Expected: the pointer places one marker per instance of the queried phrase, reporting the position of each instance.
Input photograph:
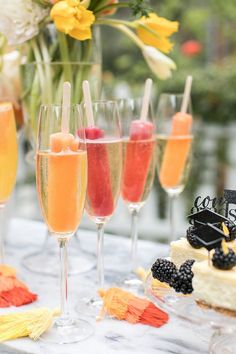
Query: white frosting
(214, 286)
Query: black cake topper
(230, 198)
(225, 205)
(209, 226)
(205, 216)
(209, 236)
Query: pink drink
(104, 160)
(138, 162)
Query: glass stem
(134, 239)
(100, 259)
(172, 218)
(63, 243)
(2, 234)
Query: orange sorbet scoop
(177, 150)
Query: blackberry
(222, 260)
(182, 280)
(192, 240)
(186, 264)
(163, 270)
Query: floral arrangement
(62, 32)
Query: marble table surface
(110, 336)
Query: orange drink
(8, 151)
(176, 151)
(62, 182)
(174, 154)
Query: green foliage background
(210, 22)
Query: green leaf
(42, 3)
(140, 8)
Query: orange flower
(110, 12)
(154, 31)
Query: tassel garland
(30, 323)
(12, 291)
(126, 306)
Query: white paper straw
(146, 99)
(65, 107)
(88, 103)
(187, 91)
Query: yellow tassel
(142, 273)
(225, 229)
(30, 323)
(224, 247)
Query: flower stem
(111, 6)
(97, 3)
(48, 76)
(63, 45)
(83, 71)
(125, 30)
(114, 22)
(33, 104)
(38, 60)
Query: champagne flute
(174, 142)
(138, 168)
(61, 175)
(8, 162)
(104, 149)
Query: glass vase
(52, 58)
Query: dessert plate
(186, 308)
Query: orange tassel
(18, 296)
(12, 291)
(3, 303)
(126, 306)
(7, 270)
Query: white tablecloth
(111, 336)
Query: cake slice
(181, 250)
(214, 287)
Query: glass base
(75, 331)
(45, 262)
(77, 264)
(223, 343)
(132, 281)
(89, 306)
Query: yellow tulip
(155, 30)
(159, 63)
(72, 18)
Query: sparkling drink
(8, 151)
(104, 176)
(139, 166)
(173, 161)
(61, 184)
